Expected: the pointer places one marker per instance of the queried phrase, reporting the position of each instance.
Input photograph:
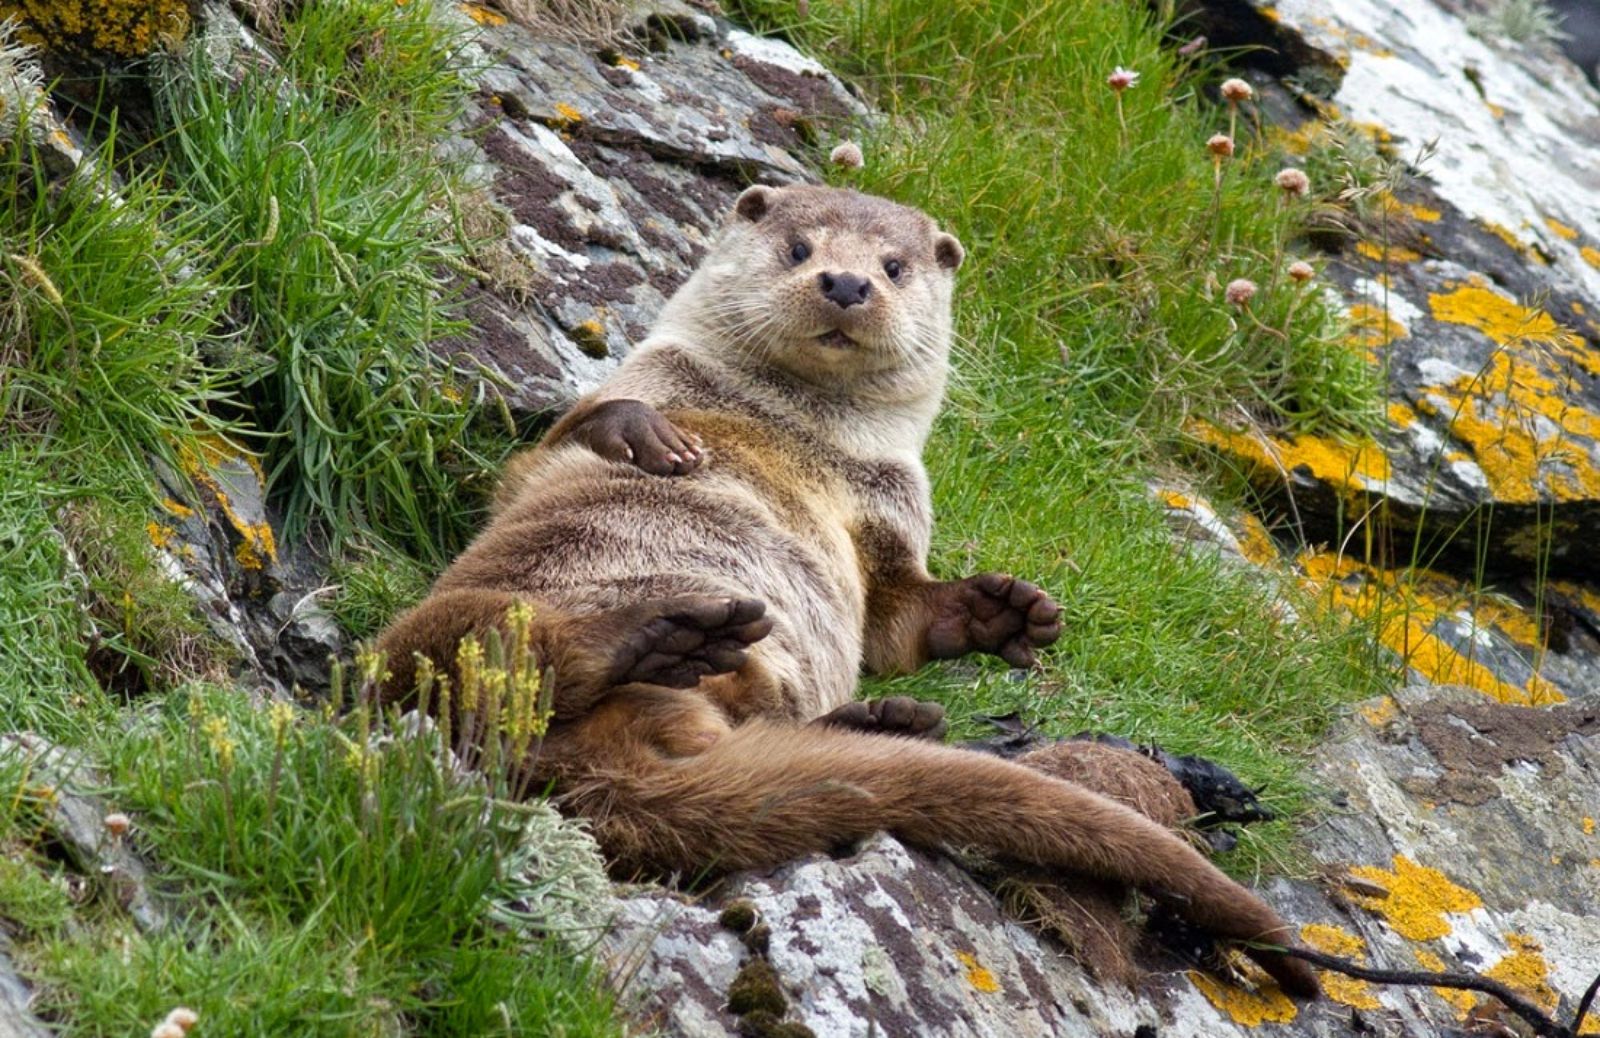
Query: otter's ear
(754, 203)
(948, 251)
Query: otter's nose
(845, 289)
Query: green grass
(1091, 327)
(327, 209)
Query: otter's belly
(612, 536)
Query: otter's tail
(766, 793)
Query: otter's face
(830, 284)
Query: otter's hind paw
(896, 715)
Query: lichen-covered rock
(610, 170)
(1477, 289)
(15, 1020)
(1463, 838)
(216, 538)
(101, 28)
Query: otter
(718, 539)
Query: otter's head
(830, 285)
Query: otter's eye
(894, 269)
(800, 252)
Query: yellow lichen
(1249, 1006)
(1461, 1001)
(1495, 410)
(1387, 253)
(1335, 940)
(160, 534)
(182, 511)
(1255, 542)
(121, 28)
(1382, 712)
(568, 114)
(1561, 229)
(1421, 213)
(1419, 898)
(1524, 969)
(1498, 111)
(257, 546)
(1509, 236)
(1372, 327)
(1591, 254)
(623, 61)
(1588, 826)
(980, 978)
(1355, 465)
(1407, 606)
(483, 15)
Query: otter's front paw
(994, 613)
(635, 432)
(896, 715)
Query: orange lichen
(980, 978)
(1561, 229)
(1419, 898)
(568, 114)
(1509, 236)
(1496, 409)
(483, 15)
(1406, 607)
(1356, 465)
(160, 534)
(1253, 1006)
(121, 28)
(1524, 969)
(1461, 1001)
(1255, 542)
(257, 545)
(1382, 712)
(1372, 327)
(1335, 940)
(1387, 253)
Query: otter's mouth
(836, 340)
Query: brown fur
(694, 623)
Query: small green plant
(372, 589)
(1521, 21)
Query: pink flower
(1122, 79)
(1300, 270)
(1236, 90)
(1239, 291)
(1293, 181)
(1220, 145)
(847, 155)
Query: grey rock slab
(15, 1019)
(1478, 294)
(76, 816)
(610, 170)
(1473, 819)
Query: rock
(1464, 846)
(1477, 289)
(610, 172)
(15, 1020)
(217, 539)
(77, 820)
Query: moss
(119, 28)
(756, 988)
(762, 1024)
(590, 337)
(739, 916)
(1418, 898)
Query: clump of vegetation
(1521, 21)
